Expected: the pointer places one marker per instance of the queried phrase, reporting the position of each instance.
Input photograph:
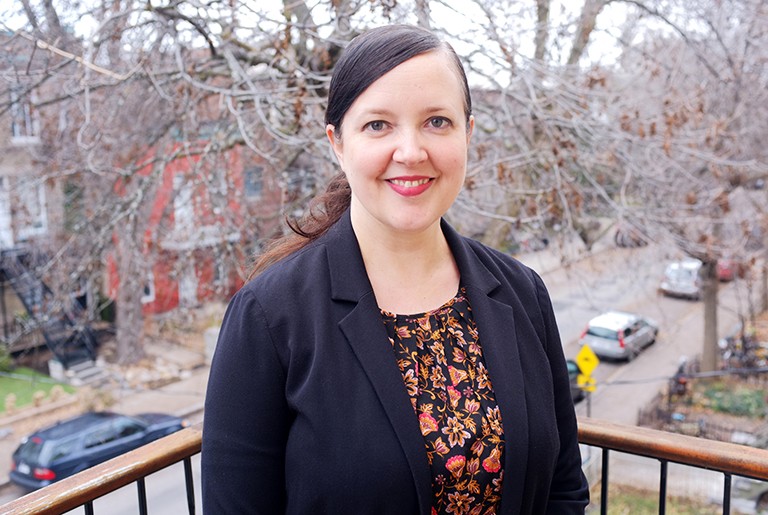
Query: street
(627, 279)
(613, 278)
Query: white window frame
(6, 228)
(25, 121)
(183, 208)
(32, 197)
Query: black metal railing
(723, 458)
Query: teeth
(409, 184)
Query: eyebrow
(387, 112)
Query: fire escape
(69, 339)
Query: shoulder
(504, 267)
(291, 275)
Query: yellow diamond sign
(587, 360)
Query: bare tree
(661, 133)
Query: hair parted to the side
(367, 57)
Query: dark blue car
(73, 445)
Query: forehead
(431, 76)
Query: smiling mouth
(409, 184)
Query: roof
(686, 264)
(72, 425)
(613, 320)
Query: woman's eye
(377, 125)
(438, 122)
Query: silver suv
(619, 335)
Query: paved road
(580, 289)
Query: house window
(6, 231)
(299, 182)
(188, 287)
(25, 123)
(183, 208)
(31, 217)
(74, 206)
(148, 294)
(254, 181)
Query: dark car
(629, 237)
(75, 444)
(577, 393)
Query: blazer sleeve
(569, 491)
(246, 416)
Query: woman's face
(403, 146)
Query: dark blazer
(307, 411)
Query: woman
(378, 362)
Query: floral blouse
(442, 364)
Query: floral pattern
(442, 365)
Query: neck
(410, 272)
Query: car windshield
(602, 332)
(681, 274)
(30, 450)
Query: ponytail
(324, 210)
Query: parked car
(629, 237)
(682, 279)
(75, 444)
(619, 335)
(577, 394)
(730, 269)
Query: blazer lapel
(498, 338)
(367, 336)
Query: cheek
(455, 158)
(370, 159)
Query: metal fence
(600, 439)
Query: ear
(470, 127)
(335, 142)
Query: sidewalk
(185, 397)
(559, 255)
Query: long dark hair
(367, 57)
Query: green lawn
(24, 382)
(625, 500)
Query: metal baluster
(141, 486)
(727, 493)
(663, 488)
(190, 485)
(604, 485)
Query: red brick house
(207, 219)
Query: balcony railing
(725, 459)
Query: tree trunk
(764, 293)
(710, 353)
(586, 25)
(130, 320)
(542, 29)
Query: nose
(410, 148)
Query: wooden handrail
(90, 484)
(726, 457)
(102, 479)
